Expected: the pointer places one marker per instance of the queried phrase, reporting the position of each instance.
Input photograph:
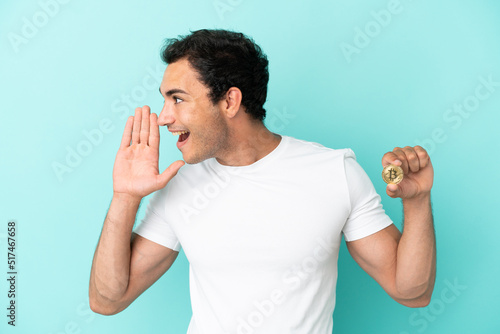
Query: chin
(193, 159)
(194, 154)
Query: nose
(166, 115)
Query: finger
(393, 190)
(412, 159)
(390, 158)
(398, 151)
(137, 126)
(170, 172)
(144, 135)
(423, 156)
(127, 133)
(154, 131)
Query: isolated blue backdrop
(369, 75)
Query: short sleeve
(154, 226)
(367, 215)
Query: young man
(259, 215)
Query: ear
(232, 103)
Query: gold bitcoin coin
(392, 174)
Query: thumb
(393, 190)
(170, 172)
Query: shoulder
(313, 150)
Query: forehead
(181, 75)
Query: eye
(177, 100)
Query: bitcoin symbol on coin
(392, 174)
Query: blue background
(395, 86)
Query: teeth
(179, 133)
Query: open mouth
(183, 136)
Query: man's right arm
(126, 264)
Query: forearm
(111, 264)
(416, 253)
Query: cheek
(186, 115)
(198, 117)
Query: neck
(247, 143)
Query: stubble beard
(208, 141)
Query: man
(259, 215)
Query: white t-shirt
(262, 240)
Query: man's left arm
(404, 264)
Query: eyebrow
(172, 92)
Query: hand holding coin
(408, 172)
